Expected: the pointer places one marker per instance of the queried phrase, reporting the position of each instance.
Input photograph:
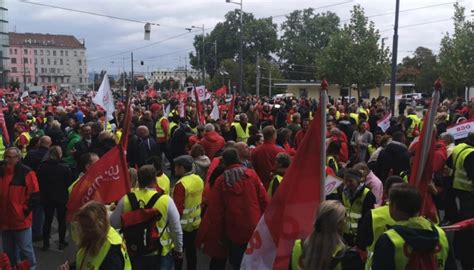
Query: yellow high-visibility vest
(193, 188)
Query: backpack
(139, 226)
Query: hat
(353, 174)
(185, 160)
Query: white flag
(24, 95)
(202, 93)
(384, 123)
(167, 110)
(215, 112)
(104, 98)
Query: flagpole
(428, 135)
(323, 104)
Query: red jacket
(19, 191)
(237, 202)
(193, 139)
(263, 160)
(207, 186)
(212, 142)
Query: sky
(109, 41)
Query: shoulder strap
(153, 200)
(132, 198)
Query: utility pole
(257, 83)
(381, 60)
(202, 58)
(270, 82)
(393, 79)
(24, 73)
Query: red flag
(428, 208)
(462, 225)
(231, 111)
(106, 181)
(290, 213)
(152, 93)
(199, 110)
(3, 125)
(222, 90)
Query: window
(49, 79)
(80, 62)
(25, 51)
(61, 52)
(36, 52)
(55, 62)
(80, 71)
(36, 70)
(75, 53)
(67, 80)
(55, 79)
(42, 61)
(52, 70)
(66, 53)
(62, 79)
(54, 53)
(16, 51)
(49, 61)
(80, 80)
(42, 79)
(47, 52)
(14, 70)
(25, 60)
(61, 62)
(36, 61)
(11, 51)
(41, 52)
(13, 60)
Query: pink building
(22, 66)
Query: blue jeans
(18, 246)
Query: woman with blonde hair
(99, 245)
(324, 249)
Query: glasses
(11, 157)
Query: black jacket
(395, 157)
(35, 157)
(104, 146)
(54, 178)
(147, 147)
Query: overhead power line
(87, 12)
(321, 7)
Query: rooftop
(45, 40)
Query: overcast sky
(108, 37)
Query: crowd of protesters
(214, 180)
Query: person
(461, 162)
(86, 144)
(371, 181)
(195, 138)
(187, 195)
(240, 130)
(300, 133)
(358, 200)
(376, 222)
(237, 201)
(413, 240)
(412, 124)
(162, 180)
(394, 158)
(324, 248)
(105, 142)
(85, 162)
(201, 161)
(162, 129)
(294, 126)
(332, 153)
(168, 225)
(33, 159)
(264, 156)
(147, 146)
(99, 245)
(282, 163)
(54, 179)
(55, 133)
(244, 153)
(361, 139)
(212, 141)
(19, 194)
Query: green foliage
(305, 35)
(456, 58)
(353, 55)
(421, 69)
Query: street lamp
(381, 60)
(241, 72)
(201, 59)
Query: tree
(353, 55)
(421, 69)
(305, 35)
(456, 57)
(157, 85)
(259, 37)
(140, 84)
(14, 85)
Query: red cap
(155, 107)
